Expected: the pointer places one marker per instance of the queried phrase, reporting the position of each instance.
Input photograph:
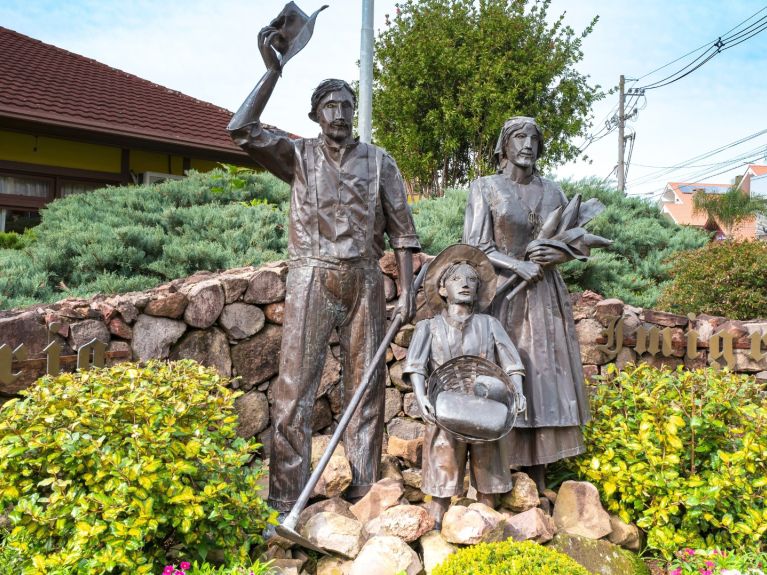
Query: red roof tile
(43, 83)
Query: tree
(730, 209)
(448, 73)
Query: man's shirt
(343, 199)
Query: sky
(207, 50)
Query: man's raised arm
(254, 104)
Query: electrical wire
(724, 42)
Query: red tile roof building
(69, 124)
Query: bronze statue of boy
(459, 281)
(345, 196)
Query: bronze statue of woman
(504, 215)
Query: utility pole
(621, 138)
(366, 73)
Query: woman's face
(522, 146)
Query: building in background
(70, 124)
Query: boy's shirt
(441, 338)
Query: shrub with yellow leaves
(105, 470)
(681, 453)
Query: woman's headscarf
(510, 126)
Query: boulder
(253, 414)
(208, 347)
(153, 336)
(386, 555)
(397, 379)
(335, 478)
(257, 359)
(405, 428)
(408, 522)
(474, 524)
(410, 450)
(333, 566)
(589, 331)
(404, 335)
(434, 550)
(334, 505)
(523, 496)
(166, 304)
(578, 511)
(267, 285)
(241, 320)
(412, 478)
(321, 414)
(607, 309)
(275, 312)
(331, 374)
(84, 332)
(335, 533)
(118, 327)
(285, 566)
(600, 557)
(664, 318)
(389, 468)
(384, 494)
(410, 406)
(206, 301)
(532, 524)
(392, 404)
(626, 535)
(235, 282)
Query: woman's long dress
(504, 216)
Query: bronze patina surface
(345, 197)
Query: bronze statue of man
(345, 196)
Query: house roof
(44, 85)
(757, 170)
(682, 212)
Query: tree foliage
(448, 73)
(730, 209)
(726, 278)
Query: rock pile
(385, 533)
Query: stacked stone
(385, 533)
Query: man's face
(460, 285)
(335, 113)
(522, 147)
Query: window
(26, 186)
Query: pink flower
(677, 571)
(185, 565)
(709, 564)
(705, 571)
(690, 552)
(168, 570)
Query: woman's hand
(531, 272)
(547, 256)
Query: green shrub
(509, 558)
(14, 241)
(135, 237)
(185, 568)
(715, 562)
(727, 278)
(439, 221)
(635, 268)
(681, 453)
(107, 469)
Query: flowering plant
(716, 562)
(185, 568)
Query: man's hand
(405, 306)
(547, 256)
(266, 38)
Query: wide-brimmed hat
(456, 254)
(295, 29)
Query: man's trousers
(349, 297)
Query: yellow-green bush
(509, 558)
(105, 470)
(683, 454)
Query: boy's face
(460, 285)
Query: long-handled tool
(288, 527)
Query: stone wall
(232, 321)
